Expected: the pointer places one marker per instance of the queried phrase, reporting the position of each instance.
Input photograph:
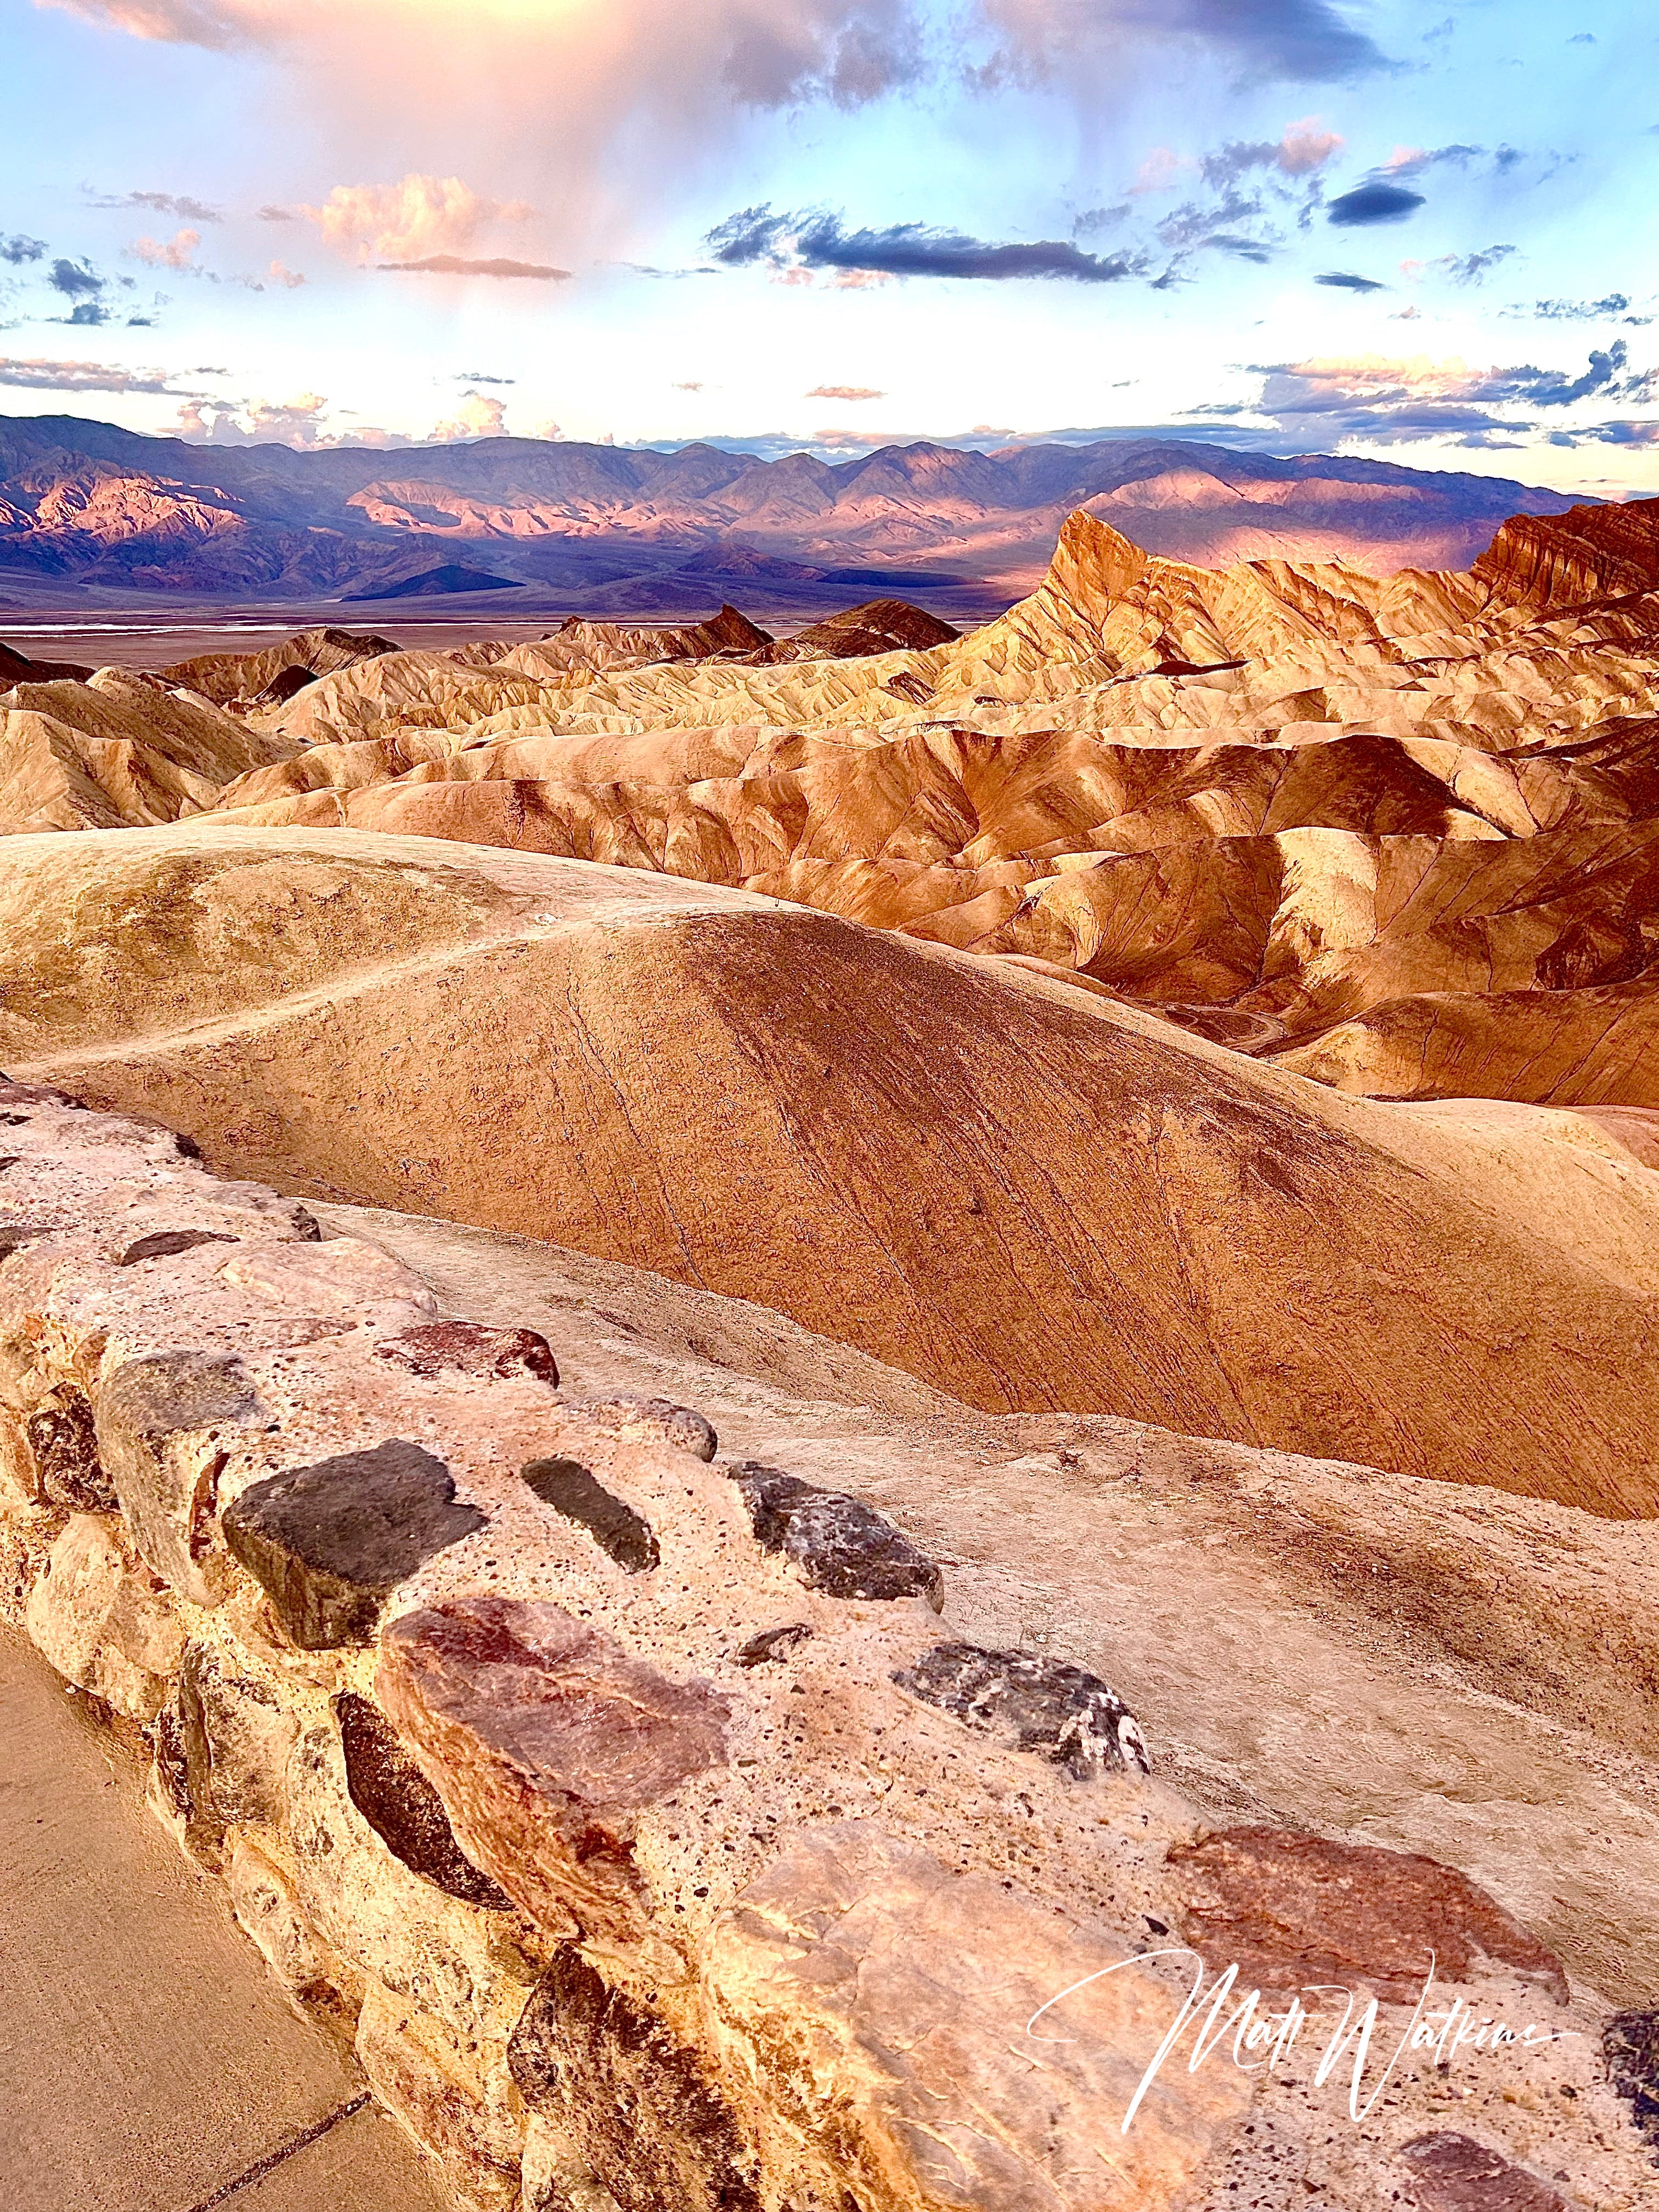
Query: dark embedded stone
(64, 1439)
(158, 1421)
(163, 1243)
(841, 1546)
(466, 1347)
(14, 1121)
(8, 1160)
(1062, 1713)
(571, 1489)
(772, 1643)
(15, 1233)
(1292, 1908)
(635, 2104)
(402, 1807)
(1630, 2043)
(306, 1227)
(172, 1760)
(331, 1543)
(1454, 2173)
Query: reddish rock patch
(1289, 1908)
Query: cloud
(1472, 268)
(1580, 311)
(1303, 41)
(411, 224)
(1303, 151)
(477, 376)
(1242, 249)
(86, 315)
(81, 376)
(75, 280)
(841, 392)
(179, 251)
(220, 23)
(271, 213)
(289, 279)
(1609, 434)
(601, 102)
(1375, 203)
(1343, 280)
(818, 239)
(688, 387)
(299, 423)
(1379, 399)
(475, 417)
(17, 249)
(455, 264)
(182, 209)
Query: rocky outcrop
(878, 626)
(618, 1920)
(118, 748)
(1025, 1195)
(1573, 560)
(273, 676)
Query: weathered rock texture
(1027, 1195)
(620, 1920)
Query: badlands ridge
(1158, 1093)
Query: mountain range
(100, 516)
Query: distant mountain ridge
(88, 507)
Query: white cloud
(476, 416)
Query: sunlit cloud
(178, 252)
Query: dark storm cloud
(1344, 279)
(1301, 41)
(820, 240)
(1374, 203)
(75, 280)
(17, 249)
(1242, 249)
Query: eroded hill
(1021, 1194)
(1400, 833)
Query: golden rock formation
(1021, 1193)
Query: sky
(1420, 230)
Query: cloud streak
(820, 239)
(456, 264)
(82, 376)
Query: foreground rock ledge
(706, 1874)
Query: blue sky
(1422, 232)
